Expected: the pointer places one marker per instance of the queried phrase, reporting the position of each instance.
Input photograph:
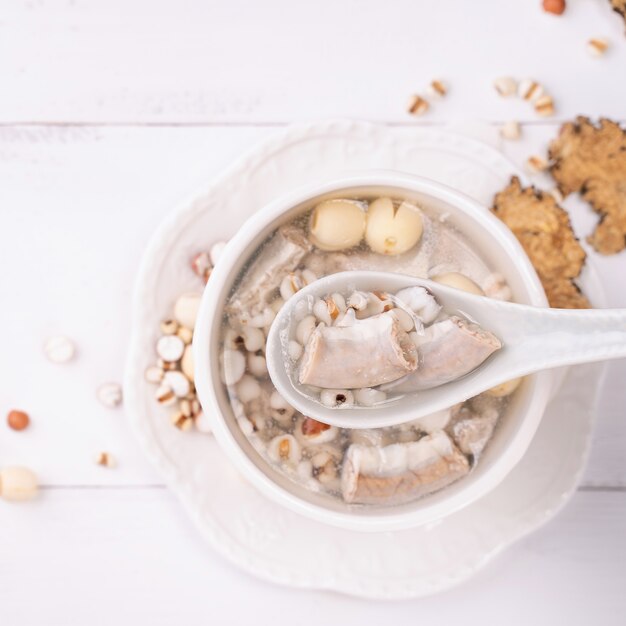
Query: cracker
(591, 160)
(545, 232)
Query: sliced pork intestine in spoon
(365, 353)
(448, 350)
(401, 471)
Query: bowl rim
(209, 314)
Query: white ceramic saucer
(260, 536)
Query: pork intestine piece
(471, 432)
(401, 471)
(366, 353)
(448, 350)
(280, 255)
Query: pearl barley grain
(305, 329)
(170, 348)
(294, 349)
(510, 131)
(289, 285)
(216, 251)
(597, 46)
(202, 423)
(253, 339)
(248, 388)
(177, 382)
(505, 86)
(201, 265)
(182, 422)
(105, 459)
(536, 164)
(165, 395)
(153, 374)
(18, 420)
(369, 397)
(417, 105)
(59, 349)
(529, 90)
(336, 397)
(257, 365)
(544, 106)
(234, 365)
(186, 309)
(437, 89)
(110, 395)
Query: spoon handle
(546, 338)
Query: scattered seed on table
(17, 483)
(505, 86)
(511, 131)
(437, 89)
(597, 46)
(544, 106)
(417, 105)
(536, 164)
(18, 420)
(59, 349)
(105, 459)
(110, 395)
(529, 89)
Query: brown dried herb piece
(565, 294)
(591, 160)
(544, 230)
(619, 6)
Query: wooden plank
(131, 556)
(79, 205)
(193, 61)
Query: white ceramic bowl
(516, 429)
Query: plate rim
(222, 542)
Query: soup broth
(383, 466)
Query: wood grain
(187, 61)
(131, 556)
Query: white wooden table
(112, 111)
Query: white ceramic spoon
(533, 339)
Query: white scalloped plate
(260, 536)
